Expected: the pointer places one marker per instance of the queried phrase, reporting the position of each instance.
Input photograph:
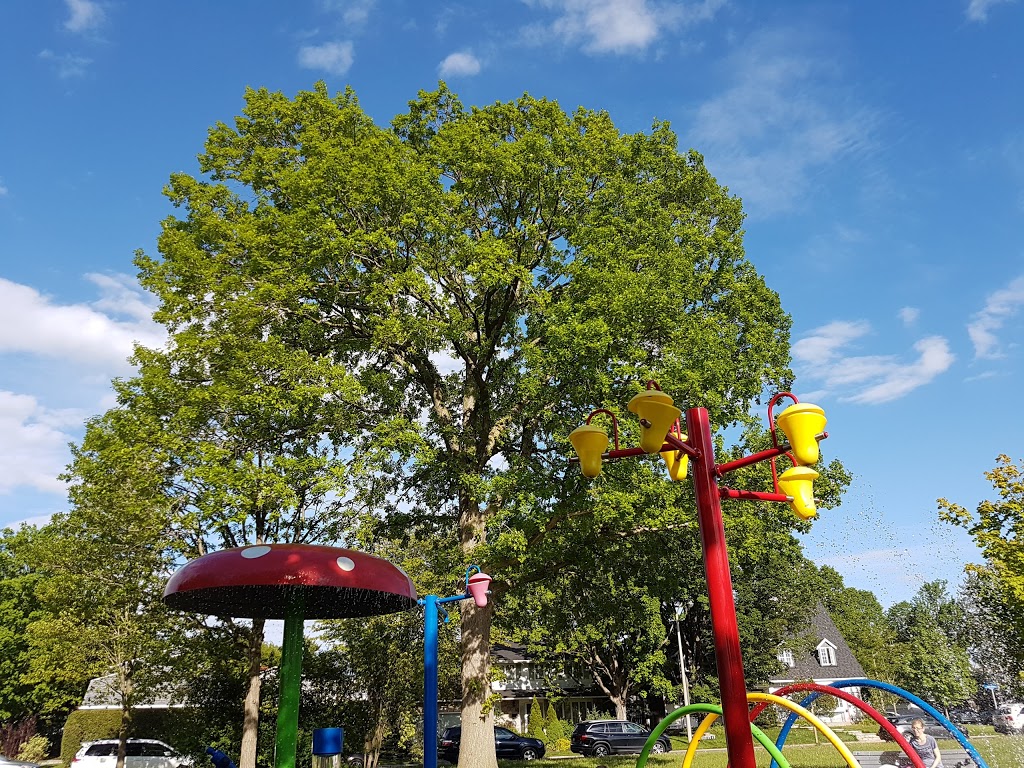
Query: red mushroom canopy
(259, 582)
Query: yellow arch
(691, 749)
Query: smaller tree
(554, 728)
(823, 706)
(103, 566)
(535, 724)
(934, 666)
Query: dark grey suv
(598, 738)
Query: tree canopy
(471, 282)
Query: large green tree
(103, 566)
(24, 693)
(485, 276)
(242, 435)
(997, 527)
(933, 662)
(993, 631)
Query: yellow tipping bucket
(590, 442)
(801, 422)
(654, 407)
(798, 482)
(677, 462)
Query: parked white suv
(1009, 718)
(139, 753)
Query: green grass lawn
(998, 751)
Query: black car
(967, 716)
(932, 727)
(597, 738)
(507, 745)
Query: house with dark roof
(828, 660)
(517, 679)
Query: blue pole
(429, 603)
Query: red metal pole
(730, 493)
(738, 741)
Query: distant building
(519, 678)
(828, 661)
(102, 694)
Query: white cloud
(66, 65)
(3, 188)
(459, 63)
(999, 307)
(33, 324)
(869, 379)
(823, 344)
(353, 12)
(619, 26)
(782, 118)
(84, 15)
(977, 10)
(334, 57)
(909, 315)
(33, 443)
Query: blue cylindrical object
(328, 741)
(430, 627)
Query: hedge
(179, 726)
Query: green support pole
(291, 682)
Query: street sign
(990, 687)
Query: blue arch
(863, 683)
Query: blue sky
(878, 148)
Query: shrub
(14, 734)
(535, 725)
(554, 729)
(35, 749)
(184, 728)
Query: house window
(826, 654)
(786, 657)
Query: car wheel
(602, 750)
(658, 748)
(529, 753)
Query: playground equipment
(293, 582)
(661, 433)
(955, 732)
(800, 710)
(476, 588)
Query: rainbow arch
(906, 695)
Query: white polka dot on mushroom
(254, 552)
(346, 563)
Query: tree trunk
(374, 741)
(122, 734)
(477, 744)
(251, 706)
(620, 708)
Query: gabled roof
(509, 651)
(807, 666)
